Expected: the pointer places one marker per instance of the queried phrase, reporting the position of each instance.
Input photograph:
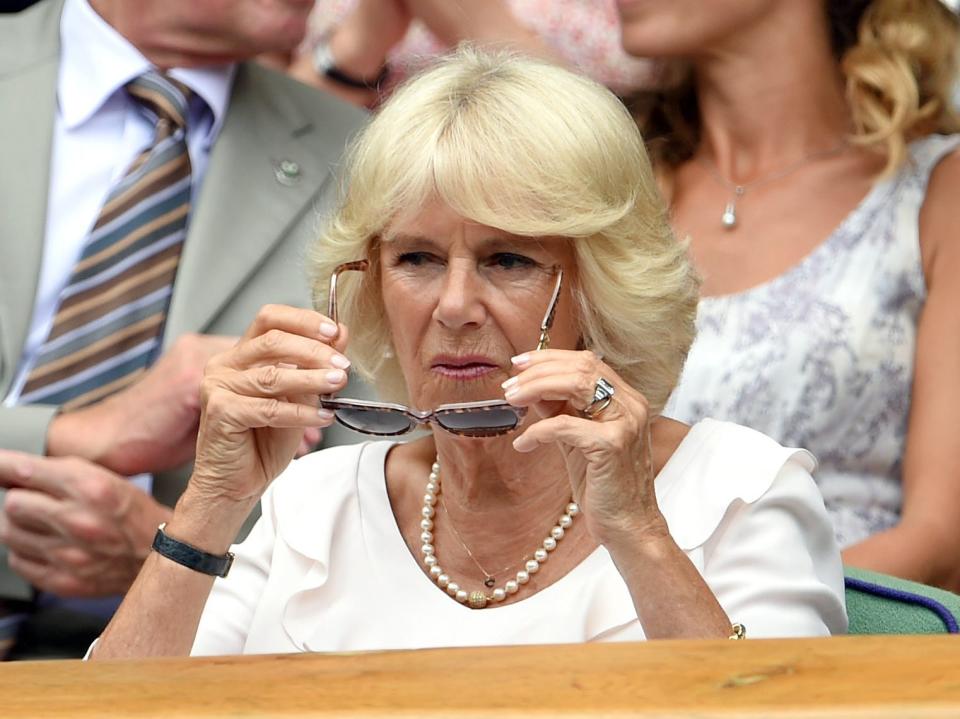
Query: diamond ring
(602, 397)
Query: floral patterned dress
(822, 356)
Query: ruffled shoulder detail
(716, 466)
(315, 503)
(307, 494)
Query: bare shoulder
(667, 435)
(939, 219)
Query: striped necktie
(110, 317)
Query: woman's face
(461, 299)
(687, 28)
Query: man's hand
(150, 426)
(74, 528)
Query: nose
(460, 303)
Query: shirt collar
(97, 61)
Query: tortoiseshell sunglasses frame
(417, 417)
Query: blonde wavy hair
(899, 61)
(534, 150)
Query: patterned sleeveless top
(821, 357)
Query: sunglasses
(486, 418)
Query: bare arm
(160, 614)
(925, 545)
(256, 400)
(671, 598)
(611, 472)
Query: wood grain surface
(840, 677)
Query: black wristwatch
(324, 64)
(191, 557)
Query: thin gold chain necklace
(490, 580)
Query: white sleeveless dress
(822, 356)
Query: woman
(495, 206)
(810, 160)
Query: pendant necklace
(729, 217)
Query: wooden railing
(841, 677)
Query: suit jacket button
(287, 172)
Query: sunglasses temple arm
(547, 323)
(544, 342)
(332, 299)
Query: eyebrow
(404, 237)
(414, 239)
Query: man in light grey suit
(74, 525)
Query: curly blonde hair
(530, 148)
(899, 61)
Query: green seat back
(881, 604)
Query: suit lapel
(243, 210)
(28, 87)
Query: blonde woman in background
(508, 223)
(808, 152)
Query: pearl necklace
(478, 599)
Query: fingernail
(336, 376)
(520, 445)
(340, 361)
(328, 329)
(324, 413)
(512, 392)
(509, 383)
(520, 359)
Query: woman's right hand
(257, 399)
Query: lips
(463, 367)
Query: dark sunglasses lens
(374, 421)
(478, 423)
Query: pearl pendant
(729, 217)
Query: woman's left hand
(608, 456)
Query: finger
(302, 449)
(298, 321)
(535, 357)
(33, 511)
(80, 562)
(546, 362)
(273, 381)
(312, 436)
(35, 545)
(572, 387)
(244, 413)
(48, 577)
(276, 346)
(576, 432)
(20, 469)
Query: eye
(511, 261)
(415, 259)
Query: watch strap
(189, 556)
(324, 64)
